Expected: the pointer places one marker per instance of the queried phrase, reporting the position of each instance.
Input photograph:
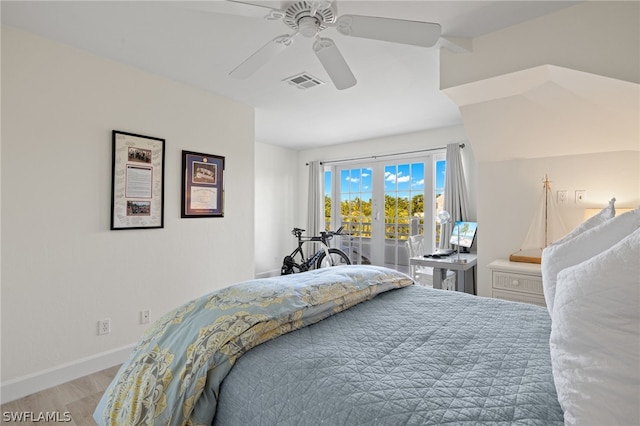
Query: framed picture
(202, 185)
(137, 188)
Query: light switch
(563, 197)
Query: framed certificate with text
(202, 185)
(137, 186)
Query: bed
(362, 345)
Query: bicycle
(325, 257)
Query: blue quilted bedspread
(412, 356)
(173, 375)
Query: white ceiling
(200, 42)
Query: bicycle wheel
(336, 257)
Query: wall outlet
(581, 196)
(104, 326)
(145, 316)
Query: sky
(407, 179)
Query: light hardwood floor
(78, 398)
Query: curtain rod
(373, 157)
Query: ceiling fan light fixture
(308, 26)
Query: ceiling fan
(309, 18)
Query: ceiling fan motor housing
(300, 17)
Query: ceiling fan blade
(262, 56)
(417, 33)
(334, 63)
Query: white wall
(276, 204)
(62, 268)
(509, 193)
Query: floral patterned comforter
(173, 375)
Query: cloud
(352, 180)
(390, 177)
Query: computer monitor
(467, 232)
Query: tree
(397, 210)
(417, 204)
(327, 212)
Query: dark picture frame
(137, 184)
(202, 185)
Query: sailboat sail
(546, 227)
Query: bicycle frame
(308, 263)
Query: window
(403, 200)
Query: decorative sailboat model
(546, 227)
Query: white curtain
(456, 199)
(315, 211)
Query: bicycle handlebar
(324, 235)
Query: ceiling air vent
(303, 81)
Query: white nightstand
(516, 281)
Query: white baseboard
(267, 274)
(20, 387)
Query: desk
(440, 267)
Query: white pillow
(556, 257)
(595, 338)
(595, 220)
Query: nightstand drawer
(517, 282)
(519, 297)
